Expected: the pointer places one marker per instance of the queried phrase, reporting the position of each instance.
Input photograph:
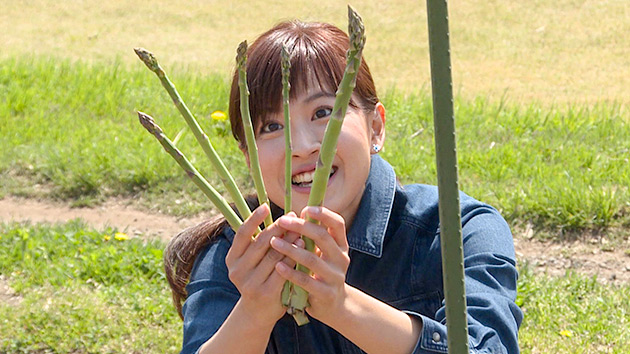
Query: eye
(323, 112)
(271, 127)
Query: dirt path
(115, 213)
(590, 257)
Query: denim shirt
(396, 258)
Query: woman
(377, 283)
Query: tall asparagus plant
(151, 62)
(446, 156)
(252, 149)
(299, 296)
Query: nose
(305, 141)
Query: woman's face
(310, 112)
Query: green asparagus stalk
(220, 203)
(252, 149)
(446, 157)
(151, 62)
(299, 299)
(286, 86)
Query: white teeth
(303, 177)
(306, 178)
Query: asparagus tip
(148, 123)
(147, 58)
(356, 29)
(241, 52)
(286, 62)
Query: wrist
(253, 318)
(346, 311)
(241, 323)
(366, 321)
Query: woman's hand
(329, 263)
(251, 264)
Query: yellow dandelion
(566, 333)
(218, 115)
(107, 237)
(119, 236)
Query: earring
(376, 148)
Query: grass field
(69, 131)
(84, 291)
(88, 291)
(551, 52)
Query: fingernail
(261, 209)
(277, 242)
(314, 210)
(281, 267)
(283, 220)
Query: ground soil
(588, 254)
(121, 214)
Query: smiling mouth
(305, 179)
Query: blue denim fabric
(395, 257)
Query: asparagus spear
(446, 156)
(149, 124)
(299, 300)
(151, 62)
(286, 86)
(252, 149)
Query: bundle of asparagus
(294, 297)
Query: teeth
(306, 178)
(303, 177)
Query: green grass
(73, 128)
(573, 314)
(85, 292)
(69, 131)
(563, 168)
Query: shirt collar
(370, 222)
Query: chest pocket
(424, 304)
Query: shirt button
(436, 337)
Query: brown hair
(318, 51)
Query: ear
(378, 126)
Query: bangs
(312, 60)
(318, 54)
